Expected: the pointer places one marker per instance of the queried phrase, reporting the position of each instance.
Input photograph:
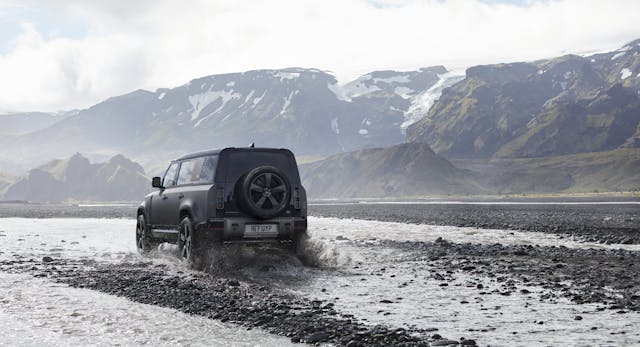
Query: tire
(144, 241)
(264, 192)
(299, 244)
(189, 249)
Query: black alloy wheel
(186, 244)
(144, 242)
(266, 192)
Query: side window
(169, 179)
(206, 170)
(186, 172)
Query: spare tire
(264, 192)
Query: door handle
(180, 196)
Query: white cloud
(151, 44)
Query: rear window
(239, 163)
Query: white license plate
(261, 230)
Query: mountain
(566, 105)
(26, 122)
(408, 93)
(611, 171)
(5, 181)
(76, 179)
(410, 169)
(302, 109)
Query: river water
(374, 284)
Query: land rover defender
(233, 195)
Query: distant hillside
(76, 179)
(610, 171)
(566, 105)
(411, 169)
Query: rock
(385, 301)
(341, 238)
(468, 342)
(320, 336)
(47, 259)
(233, 283)
(577, 318)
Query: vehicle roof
(228, 149)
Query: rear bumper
(232, 230)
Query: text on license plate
(261, 230)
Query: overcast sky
(63, 54)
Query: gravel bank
(594, 223)
(226, 299)
(607, 277)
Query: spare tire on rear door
(264, 192)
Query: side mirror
(156, 182)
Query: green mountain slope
(566, 105)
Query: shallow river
(375, 284)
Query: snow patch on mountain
(258, 99)
(284, 75)
(625, 73)
(338, 91)
(359, 88)
(287, 101)
(335, 126)
(394, 79)
(404, 92)
(202, 100)
(249, 96)
(161, 96)
(422, 102)
(618, 55)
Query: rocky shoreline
(594, 223)
(606, 277)
(228, 299)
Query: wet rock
(233, 283)
(468, 343)
(47, 259)
(577, 318)
(321, 336)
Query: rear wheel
(188, 246)
(299, 243)
(144, 241)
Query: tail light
(220, 199)
(296, 198)
(300, 225)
